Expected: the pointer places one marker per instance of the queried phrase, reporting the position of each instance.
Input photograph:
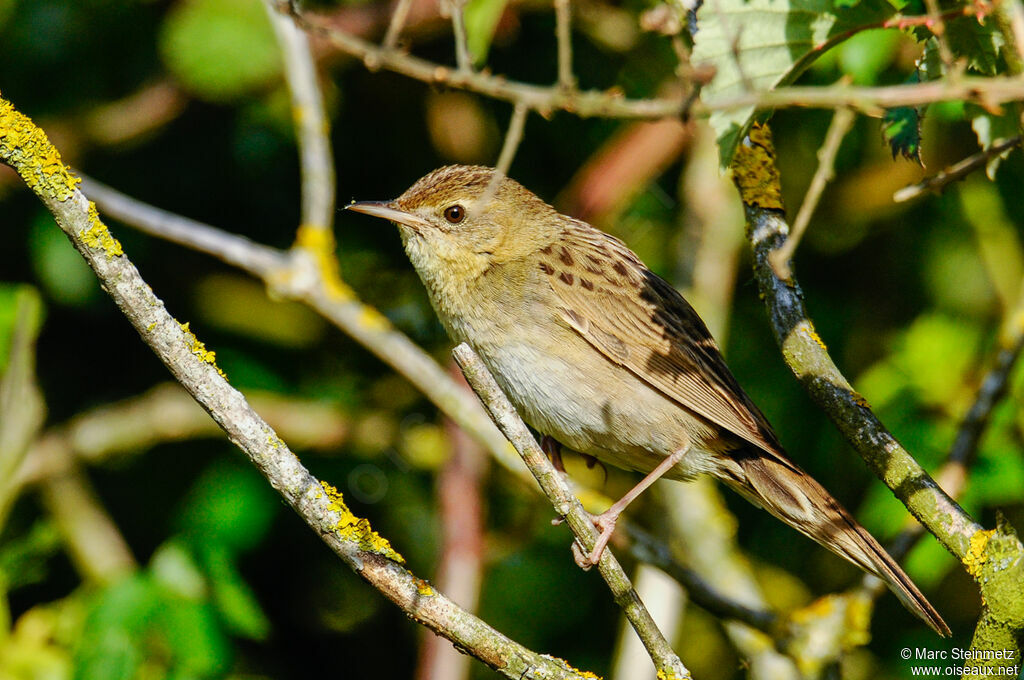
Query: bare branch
(311, 124)
(568, 507)
(398, 18)
(463, 60)
(957, 171)
(513, 137)
(21, 404)
(937, 25)
(563, 34)
(987, 90)
(842, 121)
(94, 543)
(26, 149)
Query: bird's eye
(455, 213)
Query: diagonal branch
(26, 149)
(568, 507)
(757, 179)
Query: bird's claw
(605, 524)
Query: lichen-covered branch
(568, 507)
(26, 149)
(805, 353)
(994, 558)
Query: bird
(600, 354)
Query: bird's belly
(605, 412)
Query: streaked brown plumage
(596, 351)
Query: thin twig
(611, 104)
(398, 18)
(95, 545)
(463, 59)
(568, 507)
(164, 414)
(513, 136)
(563, 34)
(842, 121)
(957, 171)
(25, 148)
(937, 25)
(311, 124)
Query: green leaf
(232, 597)
(481, 18)
(230, 504)
(762, 44)
(220, 49)
(23, 559)
(867, 54)
(63, 273)
(901, 129)
(978, 43)
(21, 311)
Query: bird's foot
(550, 446)
(605, 524)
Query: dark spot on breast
(565, 257)
(587, 284)
(546, 268)
(546, 250)
(619, 268)
(566, 278)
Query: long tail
(789, 493)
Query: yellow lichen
(976, 555)
(370, 318)
(423, 588)
(199, 349)
(813, 335)
(319, 243)
(755, 172)
(572, 669)
(26, 148)
(357, 529)
(98, 237)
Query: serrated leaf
(220, 49)
(762, 44)
(901, 129)
(978, 43)
(481, 18)
(993, 129)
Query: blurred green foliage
(909, 298)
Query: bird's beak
(387, 210)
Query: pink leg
(605, 522)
